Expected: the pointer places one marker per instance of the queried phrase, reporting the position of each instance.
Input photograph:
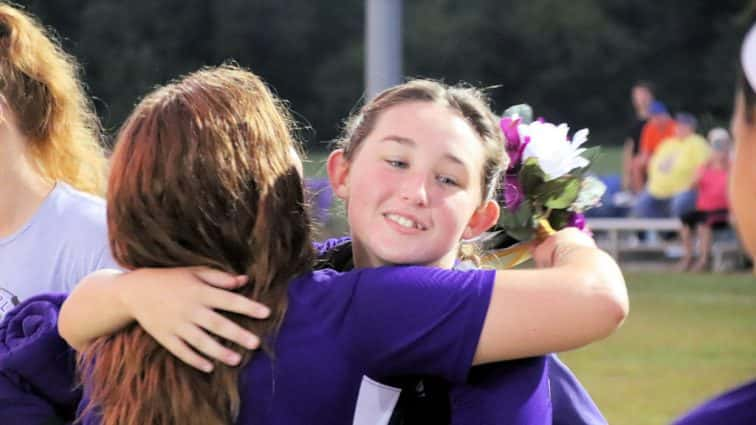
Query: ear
(482, 219)
(338, 173)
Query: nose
(414, 189)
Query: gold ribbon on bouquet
(517, 254)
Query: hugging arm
(406, 320)
(175, 306)
(579, 298)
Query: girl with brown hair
(205, 174)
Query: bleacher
(618, 236)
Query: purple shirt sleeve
(417, 320)
(511, 392)
(735, 407)
(19, 405)
(571, 402)
(37, 367)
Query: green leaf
(591, 191)
(524, 215)
(559, 218)
(550, 189)
(520, 233)
(561, 199)
(531, 177)
(592, 153)
(507, 219)
(518, 222)
(523, 110)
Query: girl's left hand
(178, 308)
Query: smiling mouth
(404, 221)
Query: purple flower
(576, 220)
(512, 193)
(512, 142)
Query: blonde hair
(40, 83)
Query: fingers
(219, 278)
(228, 301)
(545, 254)
(224, 328)
(207, 345)
(235, 303)
(541, 257)
(180, 349)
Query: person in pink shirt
(711, 204)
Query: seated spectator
(658, 128)
(672, 171)
(711, 205)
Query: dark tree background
(574, 61)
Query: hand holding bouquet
(546, 186)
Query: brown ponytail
(203, 174)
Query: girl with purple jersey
(447, 151)
(398, 143)
(211, 147)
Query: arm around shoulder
(97, 295)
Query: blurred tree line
(574, 61)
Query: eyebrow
(411, 143)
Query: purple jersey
(37, 368)
(515, 392)
(340, 327)
(512, 392)
(735, 407)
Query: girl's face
(743, 176)
(413, 187)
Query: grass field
(687, 338)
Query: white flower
(556, 154)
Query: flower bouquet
(546, 185)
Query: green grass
(609, 161)
(687, 338)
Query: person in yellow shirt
(672, 172)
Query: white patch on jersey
(375, 403)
